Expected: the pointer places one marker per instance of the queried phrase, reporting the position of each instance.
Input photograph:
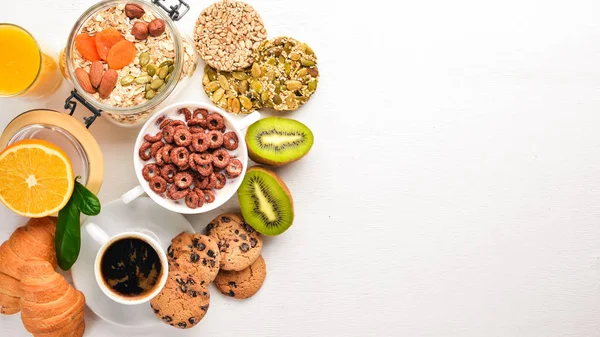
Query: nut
(134, 11)
(109, 80)
(140, 30)
(84, 80)
(156, 27)
(96, 71)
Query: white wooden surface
(454, 186)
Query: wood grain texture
(452, 189)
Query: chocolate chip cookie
(195, 254)
(245, 283)
(240, 244)
(183, 301)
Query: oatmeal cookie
(245, 283)
(195, 254)
(240, 244)
(183, 301)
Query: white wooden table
(454, 186)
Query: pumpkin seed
(256, 86)
(246, 102)
(151, 70)
(243, 87)
(127, 80)
(277, 87)
(307, 62)
(264, 97)
(294, 56)
(239, 75)
(277, 100)
(212, 74)
(271, 61)
(168, 78)
(312, 85)
(171, 68)
(270, 75)
(157, 83)
(256, 71)
(309, 50)
(223, 101)
(163, 72)
(218, 95)
(288, 69)
(162, 87)
(144, 59)
(212, 86)
(293, 85)
(166, 63)
(302, 72)
(223, 82)
(143, 79)
(147, 88)
(234, 105)
(150, 94)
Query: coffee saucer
(140, 214)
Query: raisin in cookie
(240, 244)
(195, 254)
(245, 283)
(183, 301)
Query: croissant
(34, 240)
(50, 307)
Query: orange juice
(26, 70)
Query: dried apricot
(121, 54)
(86, 45)
(105, 40)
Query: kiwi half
(277, 141)
(266, 202)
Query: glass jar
(65, 132)
(121, 107)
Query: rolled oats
(226, 34)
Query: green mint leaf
(67, 240)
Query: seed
(223, 101)
(264, 96)
(144, 59)
(293, 85)
(307, 62)
(288, 47)
(281, 59)
(256, 86)
(166, 63)
(271, 75)
(157, 83)
(312, 85)
(150, 94)
(143, 79)
(295, 56)
(239, 75)
(271, 61)
(147, 88)
(168, 78)
(309, 50)
(163, 72)
(302, 72)
(277, 99)
(246, 102)
(288, 69)
(218, 94)
(277, 87)
(223, 82)
(205, 79)
(234, 103)
(212, 86)
(127, 80)
(212, 74)
(256, 71)
(151, 70)
(162, 87)
(243, 87)
(171, 68)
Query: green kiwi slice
(277, 141)
(266, 202)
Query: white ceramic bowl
(222, 195)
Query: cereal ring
(202, 112)
(204, 158)
(158, 185)
(196, 129)
(166, 153)
(200, 142)
(185, 166)
(200, 195)
(144, 151)
(214, 121)
(156, 147)
(168, 133)
(201, 182)
(197, 122)
(165, 123)
(150, 171)
(209, 196)
(191, 200)
(158, 157)
(221, 158)
(215, 139)
(186, 112)
(168, 172)
(177, 123)
(230, 141)
(183, 180)
(212, 182)
(180, 156)
(205, 169)
(234, 169)
(182, 137)
(221, 180)
(153, 139)
(175, 193)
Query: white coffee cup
(100, 236)
(222, 195)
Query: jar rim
(178, 62)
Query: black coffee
(131, 267)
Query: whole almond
(109, 80)
(84, 80)
(134, 11)
(140, 30)
(156, 27)
(96, 71)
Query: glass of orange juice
(27, 71)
